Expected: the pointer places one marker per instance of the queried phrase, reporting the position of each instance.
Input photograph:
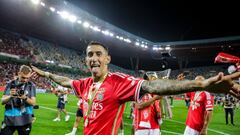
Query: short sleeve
(77, 86)
(127, 87)
(209, 102)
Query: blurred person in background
(147, 112)
(229, 102)
(19, 99)
(61, 93)
(200, 111)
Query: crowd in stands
(51, 53)
(45, 52)
(191, 73)
(10, 43)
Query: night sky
(168, 20)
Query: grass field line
(51, 109)
(166, 131)
(213, 130)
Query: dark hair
(100, 44)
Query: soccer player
(147, 112)
(62, 99)
(79, 115)
(104, 93)
(199, 112)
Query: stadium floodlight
(43, 4)
(79, 21)
(117, 37)
(111, 34)
(127, 40)
(146, 47)
(64, 14)
(106, 32)
(160, 48)
(121, 38)
(137, 43)
(95, 28)
(142, 45)
(72, 18)
(86, 24)
(154, 48)
(53, 9)
(167, 48)
(36, 2)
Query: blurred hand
(222, 84)
(156, 97)
(180, 77)
(37, 72)
(13, 92)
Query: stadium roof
(159, 23)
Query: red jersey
(201, 101)
(108, 103)
(147, 118)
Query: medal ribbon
(91, 96)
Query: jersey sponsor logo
(100, 96)
(199, 98)
(209, 102)
(194, 105)
(145, 114)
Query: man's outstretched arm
(62, 80)
(217, 84)
(170, 87)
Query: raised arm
(170, 87)
(143, 105)
(216, 84)
(61, 80)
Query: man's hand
(180, 77)
(37, 71)
(63, 81)
(156, 97)
(13, 92)
(222, 84)
(203, 131)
